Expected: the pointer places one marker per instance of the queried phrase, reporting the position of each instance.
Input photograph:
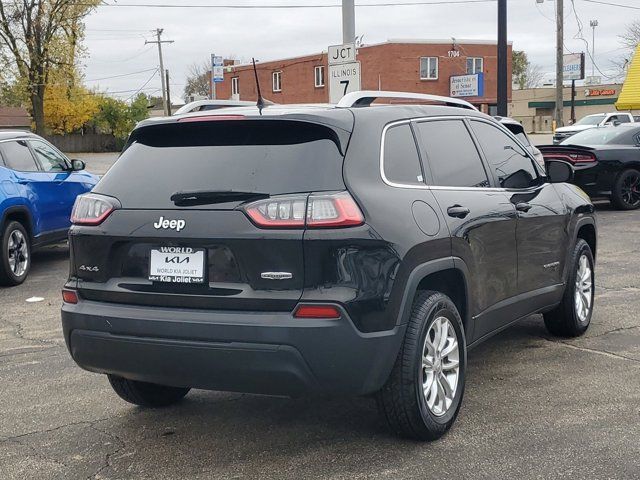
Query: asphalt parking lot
(535, 406)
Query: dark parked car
(355, 249)
(606, 161)
(38, 186)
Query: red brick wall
(395, 66)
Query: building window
(428, 68)
(319, 76)
(235, 86)
(474, 65)
(277, 81)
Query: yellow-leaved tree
(67, 106)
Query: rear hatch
(181, 233)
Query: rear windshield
(263, 156)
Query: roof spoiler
(365, 98)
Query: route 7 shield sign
(343, 79)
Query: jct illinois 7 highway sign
(343, 79)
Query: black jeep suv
(351, 249)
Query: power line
(143, 85)
(613, 4)
(295, 6)
(122, 75)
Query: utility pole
(168, 93)
(593, 24)
(502, 58)
(159, 41)
(559, 62)
(348, 21)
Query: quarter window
(401, 162)
(17, 156)
(451, 154)
(474, 65)
(50, 160)
(512, 165)
(319, 76)
(277, 81)
(235, 86)
(428, 68)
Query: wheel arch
(448, 276)
(19, 213)
(587, 232)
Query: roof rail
(365, 98)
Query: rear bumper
(256, 352)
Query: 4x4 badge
(276, 275)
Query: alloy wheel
(630, 190)
(440, 366)
(18, 253)
(584, 289)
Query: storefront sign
(599, 92)
(467, 85)
(573, 66)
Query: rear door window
(17, 156)
(452, 156)
(262, 156)
(513, 167)
(401, 162)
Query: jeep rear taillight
(92, 209)
(316, 210)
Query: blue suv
(38, 186)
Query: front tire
(146, 394)
(626, 190)
(15, 254)
(572, 317)
(423, 394)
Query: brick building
(421, 66)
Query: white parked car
(591, 121)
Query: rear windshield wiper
(210, 197)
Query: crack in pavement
(110, 455)
(615, 330)
(90, 423)
(592, 350)
(19, 334)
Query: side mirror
(558, 171)
(77, 165)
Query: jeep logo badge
(165, 224)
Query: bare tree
(631, 37)
(198, 80)
(38, 36)
(533, 76)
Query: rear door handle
(458, 211)
(523, 207)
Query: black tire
(564, 320)
(8, 276)
(626, 190)
(146, 394)
(401, 401)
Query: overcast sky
(115, 36)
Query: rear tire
(423, 394)
(572, 317)
(146, 394)
(626, 190)
(15, 254)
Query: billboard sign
(467, 85)
(573, 66)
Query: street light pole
(502, 58)
(593, 24)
